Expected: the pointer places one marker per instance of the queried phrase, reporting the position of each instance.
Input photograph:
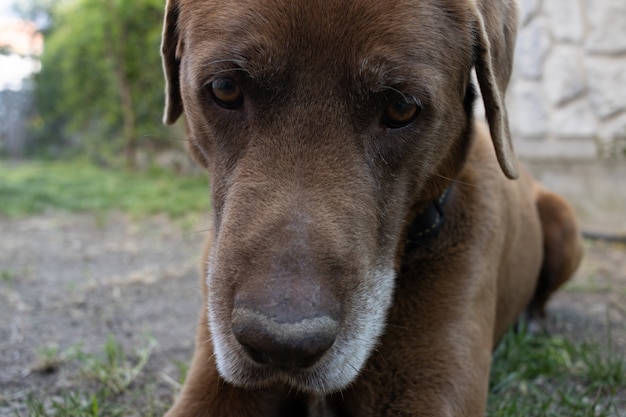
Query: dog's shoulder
(486, 195)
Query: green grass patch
(532, 376)
(112, 371)
(34, 187)
(551, 376)
(8, 275)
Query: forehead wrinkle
(378, 74)
(375, 75)
(255, 61)
(260, 62)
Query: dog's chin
(326, 376)
(337, 368)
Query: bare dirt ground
(69, 279)
(75, 279)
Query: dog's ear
(171, 63)
(496, 30)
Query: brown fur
(313, 197)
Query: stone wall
(567, 96)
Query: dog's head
(325, 126)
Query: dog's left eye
(400, 112)
(226, 93)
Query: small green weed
(73, 404)
(113, 370)
(183, 369)
(48, 359)
(7, 276)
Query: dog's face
(325, 126)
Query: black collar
(427, 223)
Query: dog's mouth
(318, 374)
(317, 355)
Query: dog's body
(338, 135)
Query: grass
(33, 187)
(532, 376)
(552, 376)
(49, 359)
(114, 371)
(8, 275)
(107, 376)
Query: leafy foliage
(101, 76)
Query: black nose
(281, 343)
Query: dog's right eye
(226, 93)
(401, 111)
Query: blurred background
(82, 77)
(567, 103)
(103, 214)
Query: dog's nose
(283, 343)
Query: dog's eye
(226, 93)
(400, 112)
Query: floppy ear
(171, 64)
(496, 30)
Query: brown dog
(367, 252)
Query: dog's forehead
(377, 37)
